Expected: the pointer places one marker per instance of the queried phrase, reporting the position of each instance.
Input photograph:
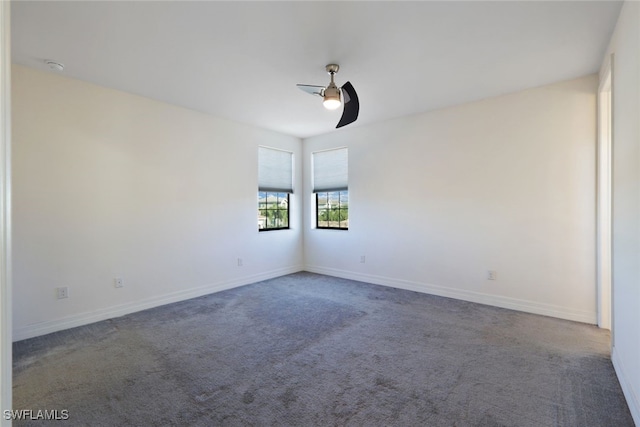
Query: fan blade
(351, 105)
(313, 90)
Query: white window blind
(275, 170)
(330, 170)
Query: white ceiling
(242, 60)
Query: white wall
(108, 184)
(625, 45)
(503, 184)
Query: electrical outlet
(239, 262)
(118, 282)
(62, 292)
(362, 259)
(492, 275)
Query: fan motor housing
(332, 91)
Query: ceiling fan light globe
(331, 103)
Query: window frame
(277, 209)
(321, 227)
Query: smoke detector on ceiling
(55, 66)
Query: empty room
(319, 213)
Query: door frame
(604, 193)
(5, 212)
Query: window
(275, 184)
(273, 210)
(332, 210)
(330, 184)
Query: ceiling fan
(332, 97)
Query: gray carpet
(312, 350)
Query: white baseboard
(633, 402)
(465, 295)
(81, 319)
(73, 321)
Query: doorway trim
(604, 191)
(5, 212)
